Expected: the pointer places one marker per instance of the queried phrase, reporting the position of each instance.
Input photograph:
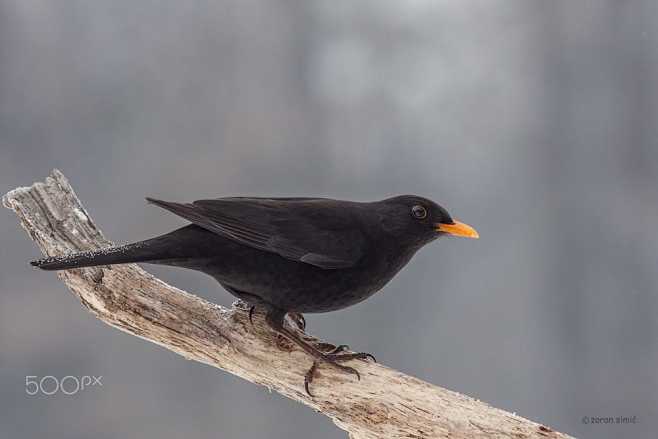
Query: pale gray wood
(384, 404)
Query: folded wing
(311, 230)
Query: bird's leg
(275, 318)
(282, 342)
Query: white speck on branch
(384, 404)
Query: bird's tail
(180, 247)
(136, 252)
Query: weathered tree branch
(384, 404)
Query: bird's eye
(419, 212)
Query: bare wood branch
(384, 404)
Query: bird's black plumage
(299, 255)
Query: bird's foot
(334, 358)
(331, 355)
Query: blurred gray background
(534, 121)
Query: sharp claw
(336, 356)
(251, 314)
(353, 371)
(345, 368)
(308, 378)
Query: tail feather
(179, 247)
(137, 252)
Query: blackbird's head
(418, 220)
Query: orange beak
(458, 229)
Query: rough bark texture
(384, 404)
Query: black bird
(290, 255)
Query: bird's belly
(307, 301)
(310, 291)
(297, 286)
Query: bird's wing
(314, 231)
